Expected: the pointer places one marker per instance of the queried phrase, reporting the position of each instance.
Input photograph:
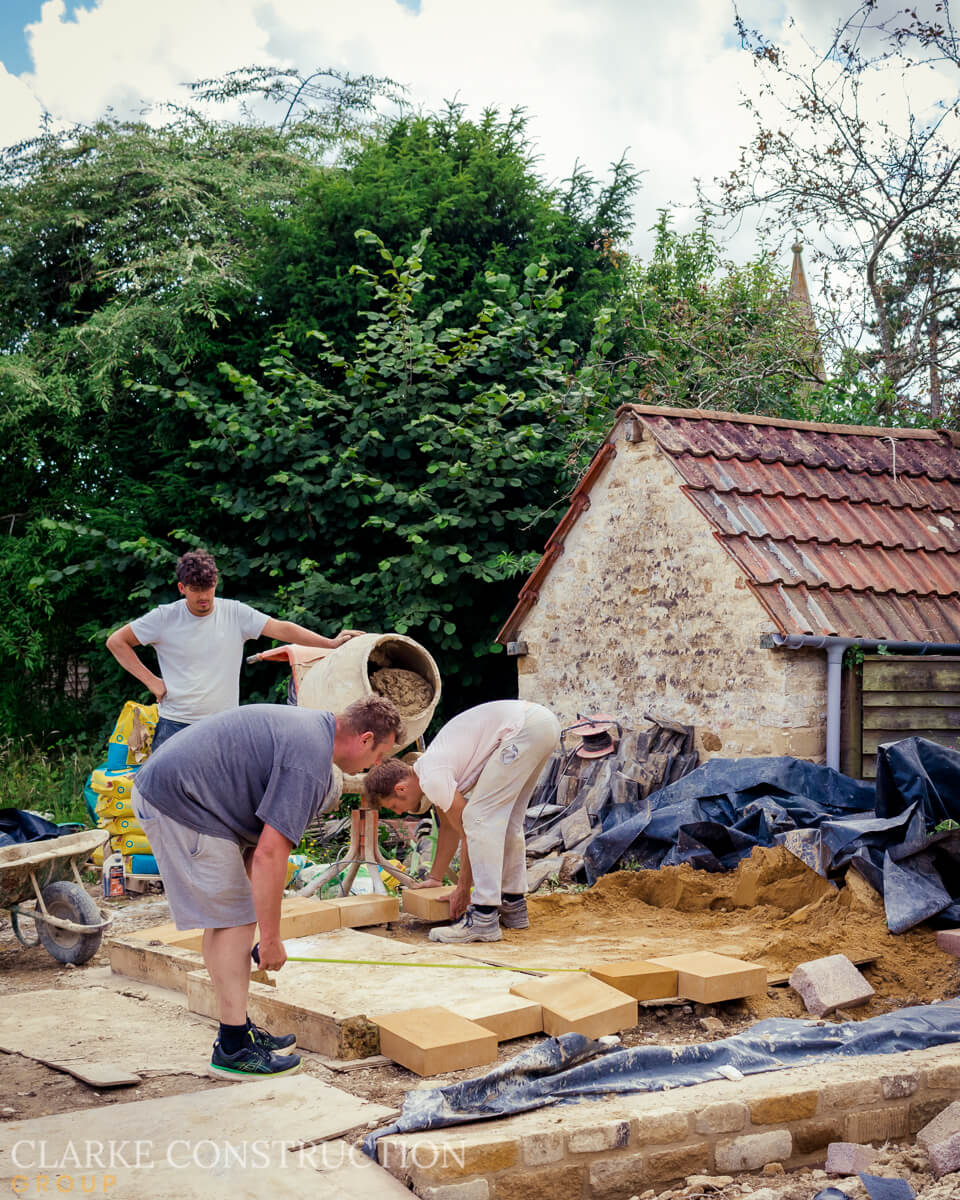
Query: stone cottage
(713, 567)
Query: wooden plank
(911, 718)
(927, 673)
(873, 738)
(851, 750)
(913, 699)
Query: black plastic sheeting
(714, 817)
(16, 825)
(573, 1067)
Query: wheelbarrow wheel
(69, 902)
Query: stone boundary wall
(614, 1149)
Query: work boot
(473, 926)
(251, 1061)
(513, 914)
(272, 1041)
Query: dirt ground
(772, 909)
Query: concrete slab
(68, 1027)
(213, 1143)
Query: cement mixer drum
(388, 664)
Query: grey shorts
(204, 877)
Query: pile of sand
(773, 909)
(410, 692)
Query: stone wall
(615, 1149)
(644, 610)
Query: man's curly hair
(197, 569)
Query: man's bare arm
(288, 631)
(268, 874)
(121, 645)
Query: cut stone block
(356, 911)
(949, 941)
(300, 916)
(163, 966)
(945, 1156)
(428, 904)
(168, 935)
(829, 983)
(943, 1126)
(639, 979)
(847, 1158)
(710, 978)
(507, 1016)
(432, 1041)
(579, 1004)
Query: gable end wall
(644, 610)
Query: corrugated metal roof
(844, 531)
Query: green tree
(691, 330)
(475, 185)
(404, 487)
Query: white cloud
(597, 76)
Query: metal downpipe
(835, 647)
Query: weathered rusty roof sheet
(845, 531)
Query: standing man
(223, 806)
(199, 644)
(495, 752)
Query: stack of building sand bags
(574, 794)
(110, 786)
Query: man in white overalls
(478, 773)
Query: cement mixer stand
(364, 848)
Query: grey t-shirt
(233, 773)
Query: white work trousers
(494, 812)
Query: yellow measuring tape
(376, 962)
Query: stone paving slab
(148, 1145)
(67, 1026)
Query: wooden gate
(896, 697)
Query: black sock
(233, 1037)
(513, 897)
(486, 909)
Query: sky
(662, 82)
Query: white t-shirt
(200, 657)
(456, 756)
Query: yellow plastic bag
(122, 826)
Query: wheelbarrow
(68, 923)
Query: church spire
(799, 296)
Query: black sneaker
(252, 1061)
(271, 1041)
